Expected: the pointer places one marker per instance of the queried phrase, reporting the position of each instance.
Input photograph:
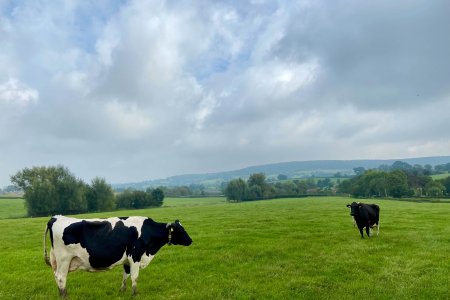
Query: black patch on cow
(126, 268)
(50, 226)
(104, 244)
(123, 218)
(153, 236)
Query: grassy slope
(278, 249)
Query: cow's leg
(378, 229)
(368, 231)
(62, 269)
(134, 272)
(125, 275)
(361, 231)
(53, 261)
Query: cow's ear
(348, 205)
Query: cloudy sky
(136, 90)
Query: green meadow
(12, 208)
(303, 248)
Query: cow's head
(177, 234)
(354, 208)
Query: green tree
(100, 195)
(397, 184)
(51, 190)
(259, 188)
(359, 170)
(375, 183)
(257, 179)
(287, 188)
(417, 180)
(440, 169)
(325, 183)
(446, 183)
(254, 193)
(358, 187)
(434, 189)
(302, 186)
(345, 186)
(282, 177)
(71, 195)
(236, 190)
(140, 199)
(125, 199)
(400, 165)
(156, 196)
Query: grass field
(275, 249)
(12, 208)
(440, 176)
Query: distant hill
(294, 169)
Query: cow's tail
(46, 258)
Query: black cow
(365, 215)
(100, 244)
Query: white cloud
(205, 109)
(280, 80)
(15, 94)
(127, 120)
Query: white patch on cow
(125, 276)
(136, 222)
(145, 260)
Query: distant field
(440, 176)
(275, 249)
(333, 180)
(12, 208)
(182, 202)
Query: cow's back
(372, 213)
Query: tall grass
(275, 249)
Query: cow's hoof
(63, 293)
(123, 288)
(134, 291)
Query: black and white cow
(100, 244)
(366, 216)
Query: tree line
(397, 180)
(256, 187)
(192, 190)
(55, 190)
(396, 183)
(407, 168)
